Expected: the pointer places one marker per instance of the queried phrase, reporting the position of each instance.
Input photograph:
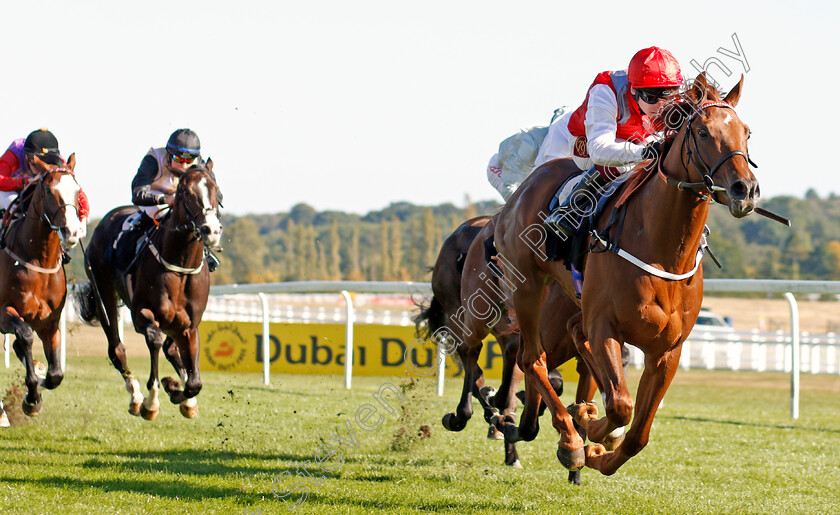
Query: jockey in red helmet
(611, 131)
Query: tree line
(401, 242)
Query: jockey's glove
(652, 150)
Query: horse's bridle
(708, 182)
(192, 226)
(44, 216)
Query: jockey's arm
(601, 127)
(142, 193)
(8, 164)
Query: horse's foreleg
(532, 362)
(14, 324)
(656, 378)
(604, 361)
(51, 338)
(188, 354)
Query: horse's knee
(620, 410)
(192, 387)
(53, 379)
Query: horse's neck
(179, 247)
(34, 239)
(672, 221)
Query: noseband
(694, 158)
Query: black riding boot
(565, 220)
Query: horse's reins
(44, 218)
(192, 228)
(707, 184)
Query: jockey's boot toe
(212, 262)
(558, 223)
(65, 258)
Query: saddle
(129, 243)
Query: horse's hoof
(147, 413)
(31, 410)
(134, 408)
(450, 424)
(574, 477)
(4, 419)
(494, 434)
(572, 460)
(614, 439)
(188, 411)
(515, 465)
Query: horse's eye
(702, 133)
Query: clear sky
(352, 105)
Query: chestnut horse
(662, 225)
(33, 287)
(166, 293)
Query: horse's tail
(430, 319)
(86, 303)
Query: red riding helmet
(654, 67)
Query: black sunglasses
(652, 96)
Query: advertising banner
(379, 350)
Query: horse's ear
(698, 89)
(71, 162)
(209, 165)
(735, 95)
(38, 164)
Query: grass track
(722, 443)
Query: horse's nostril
(738, 190)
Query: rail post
(266, 337)
(794, 358)
(348, 340)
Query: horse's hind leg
(12, 323)
(150, 407)
(468, 352)
(116, 350)
(51, 338)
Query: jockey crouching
(17, 171)
(153, 188)
(610, 132)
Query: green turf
(722, 443)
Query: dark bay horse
(460, 275)
(166, 291)
(438, 315)
(32, 283)
(703, 160)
